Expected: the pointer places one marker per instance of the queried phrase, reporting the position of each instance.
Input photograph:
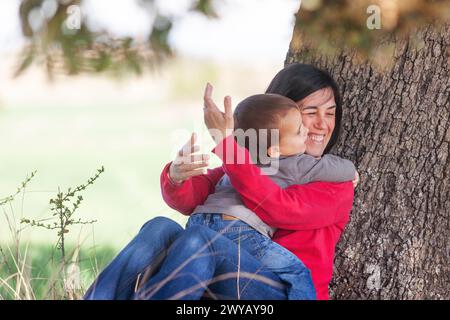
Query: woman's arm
(297, 207)
(185, 196)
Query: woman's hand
(187, 164)
(356, 180)
(220, 124)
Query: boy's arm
(329, 168)
(297, 207)
(185, 196)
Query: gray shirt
(298, 169)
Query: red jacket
(310, 217)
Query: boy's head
(263, 113)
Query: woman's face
(319, 116)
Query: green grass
(66, 145)
(133, 143)
(67, 141)
(42, 270)
(133, 133)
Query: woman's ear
(274, 151)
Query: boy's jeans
(162, 247)
(144, 253)
(274, 257)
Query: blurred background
(86, 84)
(65, 120)
(119, 84)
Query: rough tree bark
(396, 130)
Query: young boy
(224, 211)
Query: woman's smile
(316, 138)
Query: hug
(253, 233)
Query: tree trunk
(396, 130)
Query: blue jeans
(166, 262)
(139, 259)
(203, 262)
(273, 257)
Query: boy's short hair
(259, 112)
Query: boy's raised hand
(219, 124)
(187, 164)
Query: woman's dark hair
(297, 81)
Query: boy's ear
(274, 151)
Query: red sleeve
(297, 207)
(192, 192)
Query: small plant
(63, 207)
(10, 198)
(24, 277)
(18, 281)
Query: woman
(198, 260)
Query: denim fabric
(163, 261)
(273, 257)
(202, 261)
(139, 259)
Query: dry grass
(30, 272)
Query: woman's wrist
(173, 181)
(176, 183)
